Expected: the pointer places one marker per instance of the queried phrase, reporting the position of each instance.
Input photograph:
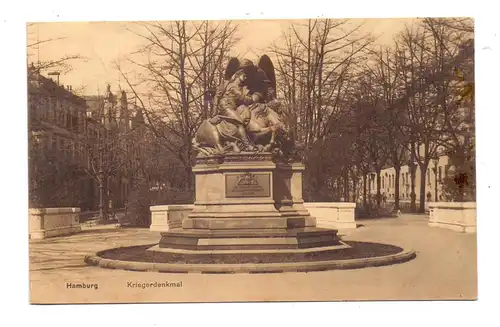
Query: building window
(53, 111)
(439, 173)
(68, 150)
(46, 110)
(74, 123)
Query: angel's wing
(267, 66)
(231, 68)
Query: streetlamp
(435, 161)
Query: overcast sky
(104, 42)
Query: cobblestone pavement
(445, 268)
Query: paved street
(445, 268)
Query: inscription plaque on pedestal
(254, 185)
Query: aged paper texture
(252, 160)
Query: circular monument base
(347, 255)
(249, 217)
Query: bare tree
(179, 63)
(107, 154)
(428, 54)
(423, 116)
(453, 53)
(315, 64)
(384, 67)
(314, 67)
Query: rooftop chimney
(55, 74)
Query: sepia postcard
(252, 160)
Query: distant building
(57, 123)
(437, 171)
(65, 131)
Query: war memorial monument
(249, 214)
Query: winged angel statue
(247, 117)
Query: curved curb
(404, 256)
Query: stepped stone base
(247, 202)
(298, 238)
(243, 256)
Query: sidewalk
(445, 268)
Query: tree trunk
(460, 174)
(346, 186)
(423, 173)
(354, 189)
(379, 195)
(397, 168)
(364, 191)
(103, 206)
(413, 169)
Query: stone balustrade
(458, 216)
(167, 217)
(50, 222)
(332, 215)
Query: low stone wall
(167, 217)
(50, 222)
(458, 216)
(334, 215)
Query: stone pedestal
(336, 215)
(457, 216)
(50, 222)
(248, 201)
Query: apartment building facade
(436, 172)
(66, 135)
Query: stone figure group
(247, 117)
